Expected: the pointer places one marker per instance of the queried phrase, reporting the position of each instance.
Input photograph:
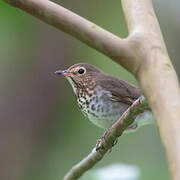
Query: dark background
(42, 132)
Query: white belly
(101, 110)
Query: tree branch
(105, 42)
(156, 76)
(143, 53)
(138, 107)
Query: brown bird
(101, 97)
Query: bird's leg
(103, 139)
(98, 144)
(106, 133)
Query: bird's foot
(132, 127)
(103, 142)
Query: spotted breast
(101, 97)
(99, 107)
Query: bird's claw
(103, 142)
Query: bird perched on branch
(101, 97)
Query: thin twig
(139, 106)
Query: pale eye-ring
(81, 70)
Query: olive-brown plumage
(101, 97)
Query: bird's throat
(73, 84)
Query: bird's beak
(62, 72)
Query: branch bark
(138, 107)
(156, 76)
(80, 28)
(143, 53)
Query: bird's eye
(81, 71)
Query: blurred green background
(42, 132)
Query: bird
(102, 98)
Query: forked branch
(143, 53)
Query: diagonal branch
(138, 107)
(143, 53)
(105, 42)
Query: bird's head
(81, 76)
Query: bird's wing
(121, 91)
